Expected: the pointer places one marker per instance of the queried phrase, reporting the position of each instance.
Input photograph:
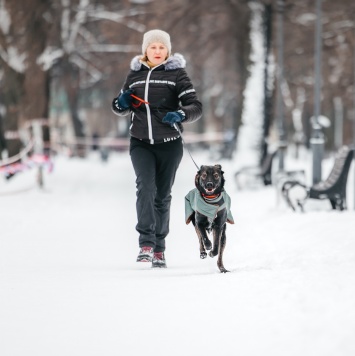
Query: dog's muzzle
(210, 188)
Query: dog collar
(214, 196)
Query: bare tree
(83, 48)
(337, 49)
(61, 37)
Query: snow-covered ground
(69, 283)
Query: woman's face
(157, 53)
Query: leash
(141, 101)
(187, 149)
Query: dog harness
(207, 207)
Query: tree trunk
(267, 80)
(70, 81)
(36, 101)
(36, 83)
(11, 97)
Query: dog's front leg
(201, 224)
(219, 243)
(203, 253)
(217, 228)
(222, 245)
(216, 239)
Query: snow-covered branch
(78, 21)
(5, 19)
(95, 74)
(109, 48)
(87, 35)
(65, 21)
(49, 56)
(14, 59)
(120, 17)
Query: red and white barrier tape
(33, 161)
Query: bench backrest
(340, 170)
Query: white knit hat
(156, 36)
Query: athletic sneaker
(158, 260)
(145, 254)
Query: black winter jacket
(165, 87)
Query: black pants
(155, 167)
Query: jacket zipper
(149, 117)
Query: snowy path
(69, 283)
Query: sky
(70, 283)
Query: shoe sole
(159, 266)
(144, 259)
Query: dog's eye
(216, 176)
(203, 175)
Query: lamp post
(280, 77)
(317, 139)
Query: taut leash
(141, 101)
(187, 149)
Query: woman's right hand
(125, 99)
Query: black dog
(208, 207)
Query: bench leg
(338, 203)
(333, 203)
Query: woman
(159, 95)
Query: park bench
(262, 172)
(333, 188)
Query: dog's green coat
(195, 202)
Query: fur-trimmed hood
(175, 61)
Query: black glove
(125, 99)
(173, 117)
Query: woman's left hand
(173, 117)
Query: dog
(208, 208)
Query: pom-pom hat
(156, 36)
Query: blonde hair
(145, 59)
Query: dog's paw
(213, 254)
(207, 243)
(203, 255)
(222, 269)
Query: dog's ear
(222, 180)
(197, 178)
(218, 166)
